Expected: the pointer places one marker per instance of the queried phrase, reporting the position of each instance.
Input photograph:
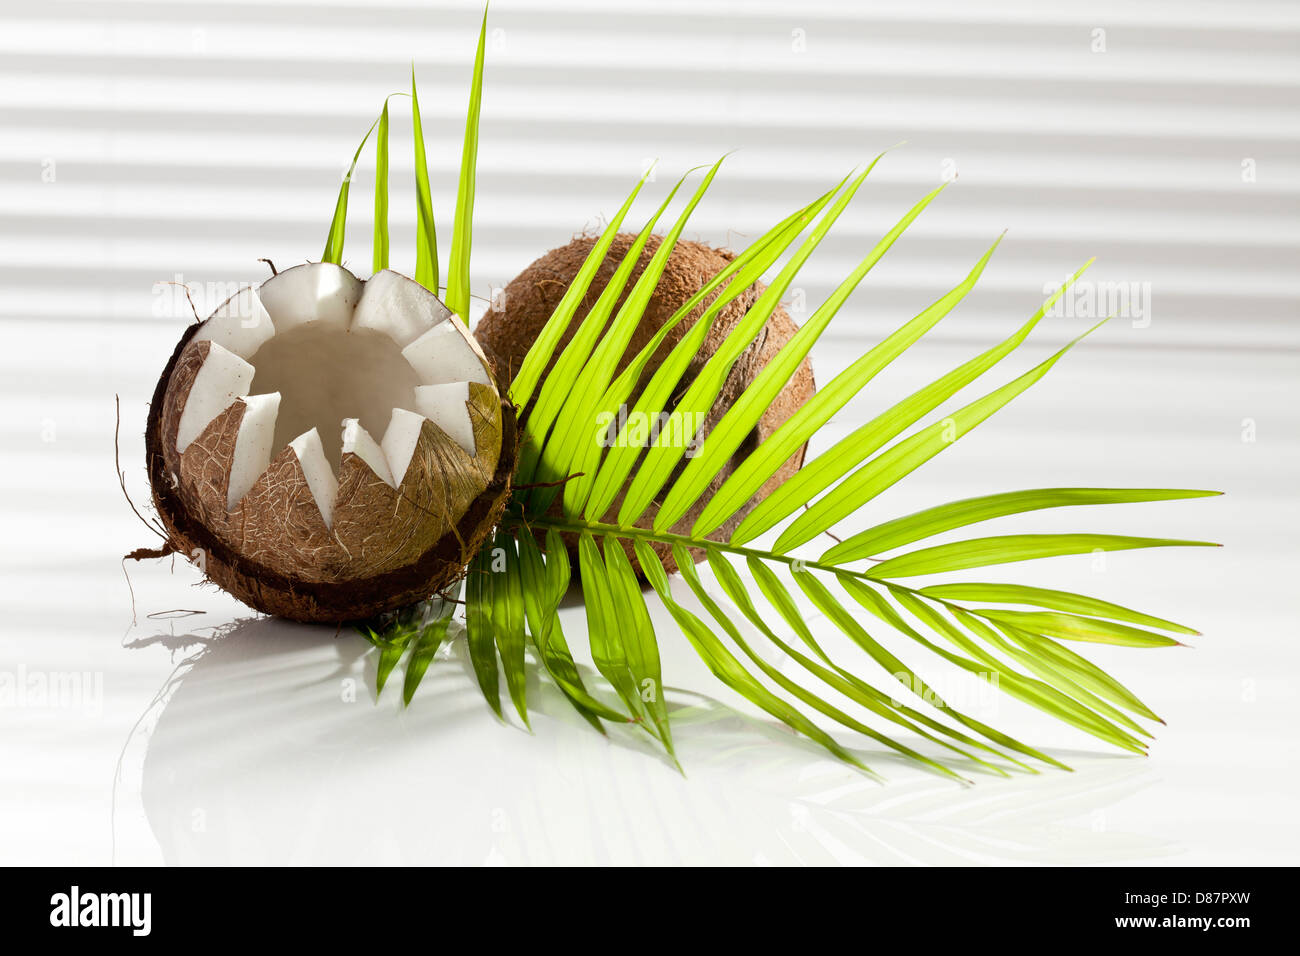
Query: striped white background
(191, 138)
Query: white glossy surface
(212, 738)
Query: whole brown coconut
(517, 317)
(262, 462)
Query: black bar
(923, 905)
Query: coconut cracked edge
(275, 593)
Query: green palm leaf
(380, 242)
(1052, 600)
(663, 455)
(1037, 693)
(426, 646)
(1062, 681)
(1010, 634)
(1003, 549)
(585, 464)
(426, 237)
(824, 470)
(876, 604)
(842, 680)
(633, 619)
(545, 581)
(584, 394)
(886, 469)
(605, 629)
(755, 470)
(463, 228)
(849, 626)
(575, 367)
(724, 666)
(959, 514)
(419, 629)
(741, 418)
(1073, 627)
(544, 348)
(741, 274)
(779, 598)
(735, 591)
(389, 654)
(338, 225)
(480, 629)
(507, 617)
(1076, 667)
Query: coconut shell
(278, 523)
(427, 509)
(513, 323)
(273, 549)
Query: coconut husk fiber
(273, 552)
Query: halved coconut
(328, 448)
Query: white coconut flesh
(323, 363)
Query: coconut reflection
(267, 746)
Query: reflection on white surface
(253, 755)
(267, 747)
